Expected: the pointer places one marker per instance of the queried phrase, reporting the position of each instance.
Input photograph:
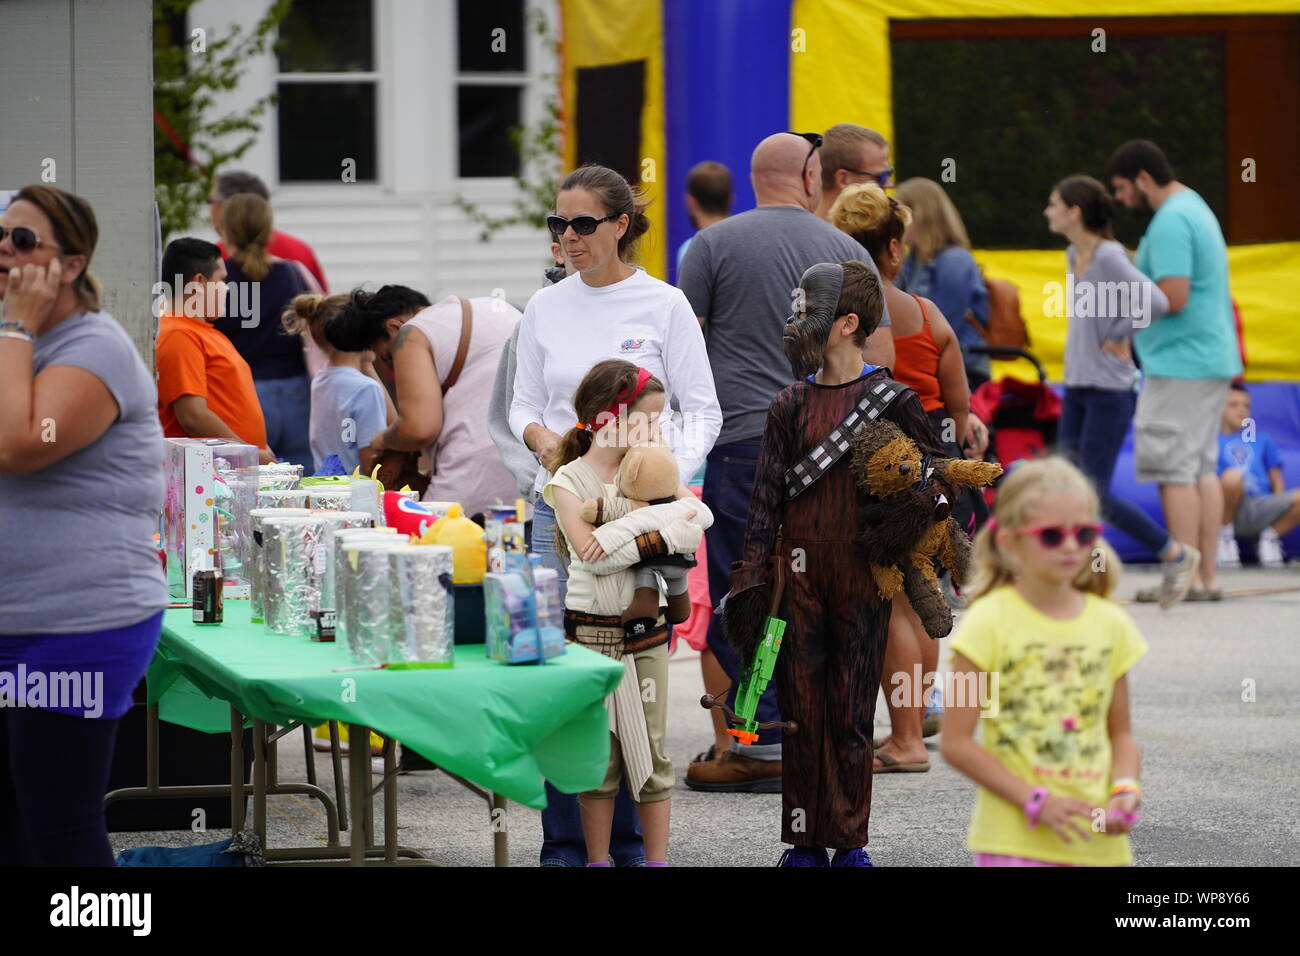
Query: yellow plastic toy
(469, 549)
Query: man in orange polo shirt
(205, 388)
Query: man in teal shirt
(1189, 356)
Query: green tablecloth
(504, 727)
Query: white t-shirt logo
(631, 345)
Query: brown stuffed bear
(906, 522)
(647, 476)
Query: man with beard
(739, 275)
(1189, 356)
(805, 511)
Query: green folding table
(499, 727)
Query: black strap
(800, 477)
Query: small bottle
(207, 590)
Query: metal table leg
(500, 838)
(359, 782)
(237, 800)
(390, 800)
(309, 754)
(259, 780)
(336, 758)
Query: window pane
(610, 100)
(491, 36)
(327, 36)
(321, 125)
(1050, 108)
(486, 115)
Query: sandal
(889, 764)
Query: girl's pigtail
(573, 445)
(988, 566)
(1100, 576)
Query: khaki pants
(652, 676)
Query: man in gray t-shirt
(740, 275)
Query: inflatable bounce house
(1020, 92)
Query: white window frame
(380, 25)
(490, 187)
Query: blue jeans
(562, 841)
(1093, 424)
(286, 406)
(728, 485)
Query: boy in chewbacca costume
(830, 664)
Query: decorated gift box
(523, 611)
(207, 502)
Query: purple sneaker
(803, 856)
(854, 857)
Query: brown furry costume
(831, 659)
(906, 524)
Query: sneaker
(1177, 577)
(803, 856)
(855, 857)
(1270, 549)
(1228, 554)
(735, 773)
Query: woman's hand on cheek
(30, 293)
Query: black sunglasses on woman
(582, 225)
(24, 239)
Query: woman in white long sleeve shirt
(607, 308)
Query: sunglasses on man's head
(24, 239)
(1053, 536)
(582, 225)
(815, 140)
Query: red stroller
(1021, 416)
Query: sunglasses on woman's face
(1053, 536)
(582, 225)
(24, 239)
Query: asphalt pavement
(1216, 709)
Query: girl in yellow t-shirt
(1039, 663)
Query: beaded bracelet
(10, 325)
(1126, 785)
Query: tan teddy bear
(647, 476)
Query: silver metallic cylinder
(342, 537)
(294, 553)
(421, 612)
(329, 498)
(280, 476)
(367, 581)
(257, 567)
(282, 498)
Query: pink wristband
(1034, 805)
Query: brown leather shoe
(735, 773)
